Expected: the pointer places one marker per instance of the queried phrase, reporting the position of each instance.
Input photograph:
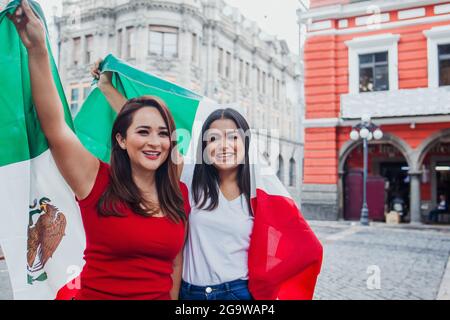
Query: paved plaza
(381, 262)
(370, 263)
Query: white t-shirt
(442, 205)
(216, 249)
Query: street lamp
(366, 130)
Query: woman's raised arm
(78, 167)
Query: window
(241, 70)
(220, 62)
(373, 72)
(86, 91)
(273, 87)
(247, 74)
(76, 50)
(444, 64)
(264, 82)
(438, 41)
(277, 92)
(258, 79)
(292, 176)
(228, 65)
(74, 100)
(194, 47)
(372, 63)
(269, 84)
(78, 94)
(119, 43)
(131, 43)
(156, 43)
(89, 49)
(170, 47)
(163, 41)
(268, 144)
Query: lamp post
(366, 130)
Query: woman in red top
(132, 209)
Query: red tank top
(127, 257)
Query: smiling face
(225, 148)
(147, 140)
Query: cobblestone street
(410, 262)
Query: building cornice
(359, 9)
(339, 122)
(89, 15)
(382, 26)
(320, 123)
(261, 133)
(155, 5)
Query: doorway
(397, 184)
(443, 179)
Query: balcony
(397, 103)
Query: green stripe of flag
(22, 137)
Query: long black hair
(205, 182)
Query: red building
(389, 60)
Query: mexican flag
(284, 255)
(41, 231)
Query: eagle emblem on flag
(44, 236)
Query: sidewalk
(444, 290)
(410, 260)
(405, 226)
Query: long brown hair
(122, 188)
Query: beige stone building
(204, 45)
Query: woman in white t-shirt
(221, 220)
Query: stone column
(100, 43)
(83, 48)
(341, 194)
(141, 42)
(236, 70)
(185, 54)
(211, 61)
(415, 197)
(124, 43)
(254, 92)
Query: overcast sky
(276, 17)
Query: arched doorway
(434, 162)
(292, 173)
(388, 181)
